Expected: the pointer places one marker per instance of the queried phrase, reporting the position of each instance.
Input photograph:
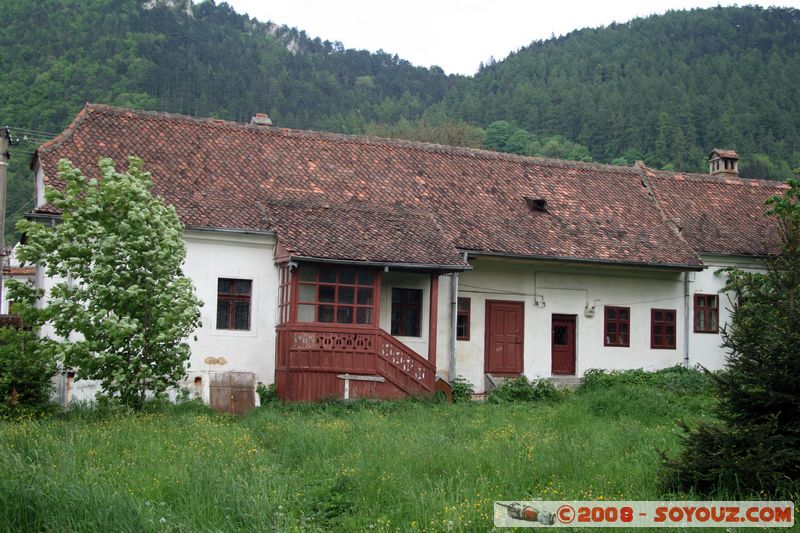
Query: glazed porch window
(335, 295)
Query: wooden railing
(318, 350)
(403, 366)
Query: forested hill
(665, 89)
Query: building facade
(341, 266)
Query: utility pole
(5, 139)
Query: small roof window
(536, 204)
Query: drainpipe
(686, 319)
(453, 321)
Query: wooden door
(504, 337)
(232, 392)
(563, 344)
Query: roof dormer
(725, 162)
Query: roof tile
(334, 196)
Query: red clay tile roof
(357, 232)
(386, 200)
(719, 215)
(19, 271)
(724, 153)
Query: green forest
(664, 89)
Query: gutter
(451, 373)
(385, 264)
(236, 231)
(686, 320)
(603, 262)
(42, 216)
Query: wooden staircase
(311, 357)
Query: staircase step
(565, 382)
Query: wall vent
(537, 204)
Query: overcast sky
(453, 34)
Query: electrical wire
(15, 213)
(32, 131)
(486, 290)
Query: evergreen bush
(753, 446)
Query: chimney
(723, 162)
(260, 119)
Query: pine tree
(755, 443)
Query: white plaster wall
(706, 348)
(212, 255)
(407, 280)
(209, 256)
(565, 290)
(444, 326)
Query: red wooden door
(563, 342)
(504, 337)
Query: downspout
(686, 321)
(453, 322)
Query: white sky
(454, 34)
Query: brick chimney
(723, 162)
(261, 119)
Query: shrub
(27, 361)
(462, 390)
(675, 379)
(754, 443)
(522, 390)
(267, 393)
(27, 367)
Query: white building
(344, 266)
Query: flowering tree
(120, 302)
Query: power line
(34, 132)
(24, 206)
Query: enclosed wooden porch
(334, 338)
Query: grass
(380, 466)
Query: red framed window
(706, 313)
(233, 303)
(617, 326)
(662, 329)
(336, 294)
(284, 293)
(462, 319)
(407, 312)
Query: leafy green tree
(120, 301)
(762, 166)
(497, 135)
(521, 142)
(27, 361)
(754, 445)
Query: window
(331, 294)
(462, 319)
(618, 326)
(662, 329)
(406, 312)
(284, 291)
(233, 303)
(706, 313)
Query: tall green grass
(382, 466)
